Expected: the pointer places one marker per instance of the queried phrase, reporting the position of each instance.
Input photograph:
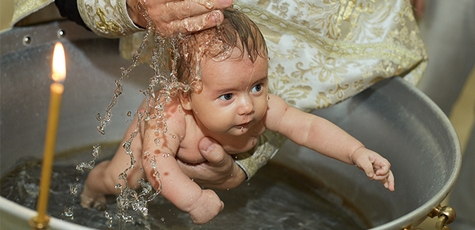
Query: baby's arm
(163, 172)
(326, 138)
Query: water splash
(162, 88)
(83, 166)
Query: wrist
(239, 174)
(354, 154)
(107, 18)
(133, 11)
(243, 169)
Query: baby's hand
(206, 207)
(375, 166)
(88, 199)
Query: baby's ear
(185, 100)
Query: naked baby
(229, 102)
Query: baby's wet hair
(236, 31)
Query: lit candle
(56, 88)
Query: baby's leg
(90, 196)
(103, 178)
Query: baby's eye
(226, 97)
(256, 88)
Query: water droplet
(209, 5)
(68, 212)
(73, 189)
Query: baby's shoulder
(175, 116)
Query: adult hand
(418, 6)
(218, 172)
(171, 17)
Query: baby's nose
(246, 106)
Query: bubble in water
(129, 113)
(108, 216)
(73, 189)
(68, 212)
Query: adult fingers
(167, 27)
(214, 153)
(177, 10)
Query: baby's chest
(240, 144)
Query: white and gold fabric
(23, 8)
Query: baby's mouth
(244, 124)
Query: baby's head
(236, 32)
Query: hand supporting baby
(218, 171)
(374, 165)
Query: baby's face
(234, 94)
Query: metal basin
(392, 118)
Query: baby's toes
(86, 201)
(100, 204)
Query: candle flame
(59, 63)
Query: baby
(228, 102)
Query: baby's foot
(98, 203)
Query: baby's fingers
(367, 167)
(381, 172)
(388, 182)
(384, 174)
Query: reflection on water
(276, 198)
